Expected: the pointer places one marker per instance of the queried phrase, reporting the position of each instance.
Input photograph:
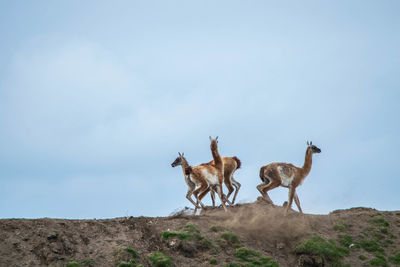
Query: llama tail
(238, 162)
(262, 177)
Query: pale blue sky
(97, 98)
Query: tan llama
(205, 176)
(286, 175)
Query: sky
(98, 97)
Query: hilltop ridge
(252, 234)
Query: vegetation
(230, 238)
(250, 258)
(379, 260)
(395, 259)
(213, 261)
(362, 257)
(131, 263)
(327, 250)
(132, 252)
(342, 226)
(160, 260)
(345, 240)
(371, 246)
(77, 264)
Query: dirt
(258, 226)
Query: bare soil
(258, 226)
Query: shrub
(379, 221)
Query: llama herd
(209, 177)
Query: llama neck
(184, 166)
(307, 162)
(216, 156)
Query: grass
(77, 264)
(230, 238)
(73, 264)
(327, 250)
(395, 259)
(379, 221)
(133, 252)
(213, 261)
(159, 259)
(249, 258)
(379, 260)
(345, 240)
(371, 246)
(362, 257)
(342, 226)
(189, 232)
(131, 263)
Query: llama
(204, 177)
(181, 160)
(286, 175)
(231, 164)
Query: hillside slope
(255, 234)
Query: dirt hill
(255, 234)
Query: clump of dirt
(253, 234)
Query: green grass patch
(213, 261)
(133, 252)
(159, 259)
(379, 221)
(131, 263)
(371, 246)
(230, 238)
(342, 226)
(251, 258)
(379, 260)
(345, 240)
(328, 251)
(73, 264)
(395, 259)
(362, 257)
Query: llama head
(180, 160)
(313, 148)
(214, 142)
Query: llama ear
(183, 153)
(308, 143)
(311, 143)
(179, 153)
(216, 138)
(210, 138)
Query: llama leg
(212, 193)
(264, 188)
(292, 192)
(228, 183)
(237, 185)
(297, 201)
(196, 192)
(221, 196)
(189, 195)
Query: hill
(254, 234)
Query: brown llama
(286, 175)
(231, 164)
(204, 177)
